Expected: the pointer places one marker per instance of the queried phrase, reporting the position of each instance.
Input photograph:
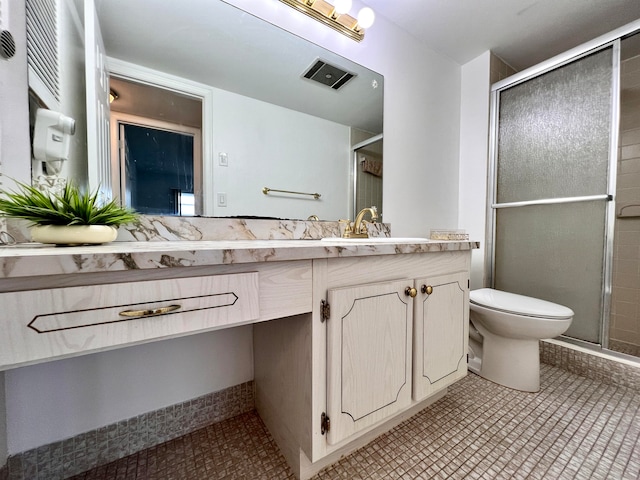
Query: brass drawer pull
(428, 289)
(150, 312)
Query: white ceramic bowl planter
(70, 217)
(73, 234)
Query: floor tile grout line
(546, 411)
(487, 428)
(477, 408)
(536, 399)
(623, 394)
(554, 464)
(605, 443)
(623, 436)
(451, 411)
(549, 390)
(604, 406)
(563, 421)
(553, 434)
(635, 451)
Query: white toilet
(504, 333)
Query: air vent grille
(7, 44)
(42, 45)
(327, 74)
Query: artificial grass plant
(71, 207)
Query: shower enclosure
(554, 162)
(367, 174)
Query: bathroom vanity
(349, 338)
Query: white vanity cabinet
(377, 332)
(348, 339)
(369, 355)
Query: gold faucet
(359, 227)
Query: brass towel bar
(266, 191)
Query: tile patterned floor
(574, 428)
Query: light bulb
(366, 17)
(342, 6)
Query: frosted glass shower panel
(554, 252)
(553, 133)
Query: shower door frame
(354, 155)
(611, 40)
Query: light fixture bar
(324, 12)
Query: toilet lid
(518, 304)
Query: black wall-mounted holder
(7, 45)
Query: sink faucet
(359, 227)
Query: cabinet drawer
(59, 322)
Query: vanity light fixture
(336, 16)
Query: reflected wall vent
(42, 50)
(327, 74)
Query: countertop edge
(24, 260)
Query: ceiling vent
(327, 74)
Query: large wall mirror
(210, 104)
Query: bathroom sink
(376, 240)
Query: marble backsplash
(152, 228)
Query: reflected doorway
(157, 167)
(156, 149)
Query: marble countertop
(29, 259)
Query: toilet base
(514, 363)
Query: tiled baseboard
(590, 365)
(75, 455)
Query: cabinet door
(368, 355)
(441, 333)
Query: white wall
(14, 113)
(73, 95)
(421, 149)
(264, 143)
(3, 423)
(474, 145)
(14, 134)
(56, 400)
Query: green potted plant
(73, 217)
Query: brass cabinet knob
(428, 289)
(410, 292)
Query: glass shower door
(551, 190)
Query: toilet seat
(518, 304)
